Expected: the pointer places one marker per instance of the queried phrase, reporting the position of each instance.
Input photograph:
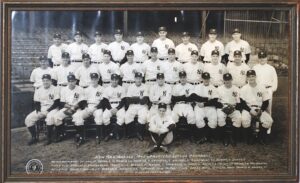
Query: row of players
(158, 108)
(141, 50)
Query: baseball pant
(209, 112)
(136, 109)
(265, 119)
(185, 110)
(80, 115)
(60, 115)
(120, 117)
(235, 116)
(34, 116)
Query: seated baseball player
(194, 69)
(37, 73)
(160, 127)
(137, 99)
(215, 69)
(114, 102)
(183, 108)
(84, 71)
(205, 109)
(229, 118)
(46, 102)
(255, 100)
(71, 98)
(93, 95)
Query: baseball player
(215, 69)
(114, 101)
(118, 48)
(107, 68)
(55, 51)
(183, 50)
(255, 100)
(151, 67)
(229, 118)
(140, 48)
(163, 43)
(237, 44)
(96, 50)
(76, 50)
(160, 127)
(37, 73)
(212, 44)
(138, 99)
(128, 70)
(238, 70)
(46, 102)
(159, 93)
(194, 69)
(71, 98)
(84, 71)
(182, 105)
(93, 95)
(206, 99)
(60, 73)
(172, 68)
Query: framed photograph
(150, 91)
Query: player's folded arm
(54, 82)
(181, 98)
(196, 98)
(145, 101)
(106, 104)
(55, 105)
(37, 106)
(211, 103)
(121, 104)
(82, 104)
(264, 105)
(243, 106)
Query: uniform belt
(150, 80)
(255, 106)
(268, 86)
(206, 61)
(171, 83)
(106, 82)
(139, 62)
(76, 61)
(84, 86)
(56, 65)
(161, 59)
(195, 83)
(216, 86)
(183, 62)
(231, 61)
(129, 82)
(114, 102)
(182, 102)
(158, 103)
(62, 84)
(96, 62)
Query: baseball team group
(128, 90)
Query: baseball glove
(69, 112)
(228, 109)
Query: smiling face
(72, 84)
(171, 56)
(185, 39)
(44, 64)
(236, 36)
(194, 58)
(57, 41)
(114, 82)
(130, 58)
(162, 34)
(138, 81)
(228, 83)
(106, 58)
(162, 111)
(119, 37)
(78, 38)
(47, 83)
(86, 62)
(160, 81)
(153, 55)
(139, 39)
(98, 39)
(206, 82)
(94, 81)
(215, 59)
(212, 37)
(263, 61)
(251, 79)
(182, 79)
(237, 59)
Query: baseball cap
(227, 77)
(236, 30)
(237, 52)
(215, 52)
(97, 33)
(251, 73)
(46, 76)
(160, 76)
(57, 36)
(71, 77)
(85, 55)
(262, 54)
(65, 55)
(114, 76)
(139, 34)
(162, 105)
(182, 74)
(78, 33)
(43, 58)
(212, 31)
(138, 74)
(185, 34)
(194, 52)
(162, 29)
(94, 76)
(118, 31)
(106, 52)
(171, 50)
(129, 52)
(153, 49)
(205, 75)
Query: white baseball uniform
(242, 46)
(183, 52)
(127, 72)
(141, 52)
(151, 68)
(83, 74)
(208, 47)
(118, 50)
(61, 73)
(76, 50)
(37, 74)
(193, 72)
(172, 69)
(106, 70)
(238, 73)
(96, 52)
(163, 47)
(46, 97)
(54, 53)
(216, 73)
(254, 97)
(229, 96)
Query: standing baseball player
(113, 102)
(84, 71)
(107, 68)
(229, 118)
(55, 51)
(96, 50)
(172, 68)
(76, 50)
(215, 69)
(163, 43)
(140, 48)
(128, 70)
(160, 127)
(237, 44)
(46, 102)
(183, 50)
(118, 48)
(212, 44)
(194, 69)
(255, 100)
(138, 100)
(238, 70)
(93, 95)
(71, 98)
(182, 104)
(37, 73)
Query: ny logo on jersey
(217, 48)
(234, 94)
(190, 49)
(166, 46)
(199, 71)
(144, 52)
(98, 94)
(243, 73)
(209, 92)
(51, 96)
(108, 71)
(76, 95)
(122, 48)
(175, 69)
(158, 67)
(242, 49)
(187, 91)
(119, 95)
(220, 71)
(164, 93)
(141, 93)
(259, 94)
